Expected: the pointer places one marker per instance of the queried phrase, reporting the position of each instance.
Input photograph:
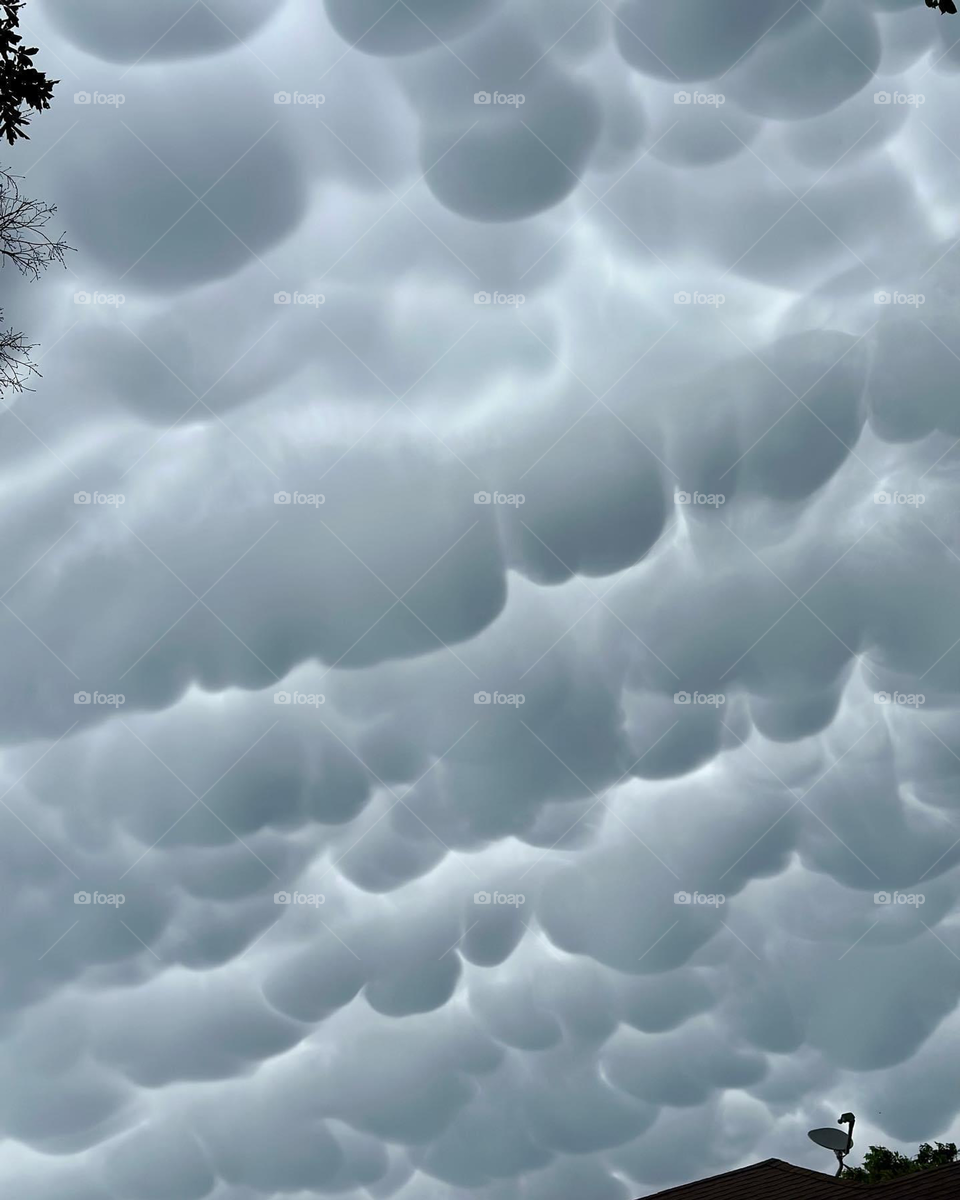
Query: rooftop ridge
(770, 1163)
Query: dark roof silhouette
(774, 1179)
(937, 1183)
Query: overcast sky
(625, 400)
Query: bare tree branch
(16, 366)
(25, 243)
(23, 239)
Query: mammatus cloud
(479, 636)
(151, 33)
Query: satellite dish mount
(833, 1139)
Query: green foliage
(881, 1164)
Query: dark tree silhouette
(25, 244)
(881, 1164)
(23, 238)
(21, 84)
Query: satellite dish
(830, 1139)
(833, 1139)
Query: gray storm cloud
(494, 480)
